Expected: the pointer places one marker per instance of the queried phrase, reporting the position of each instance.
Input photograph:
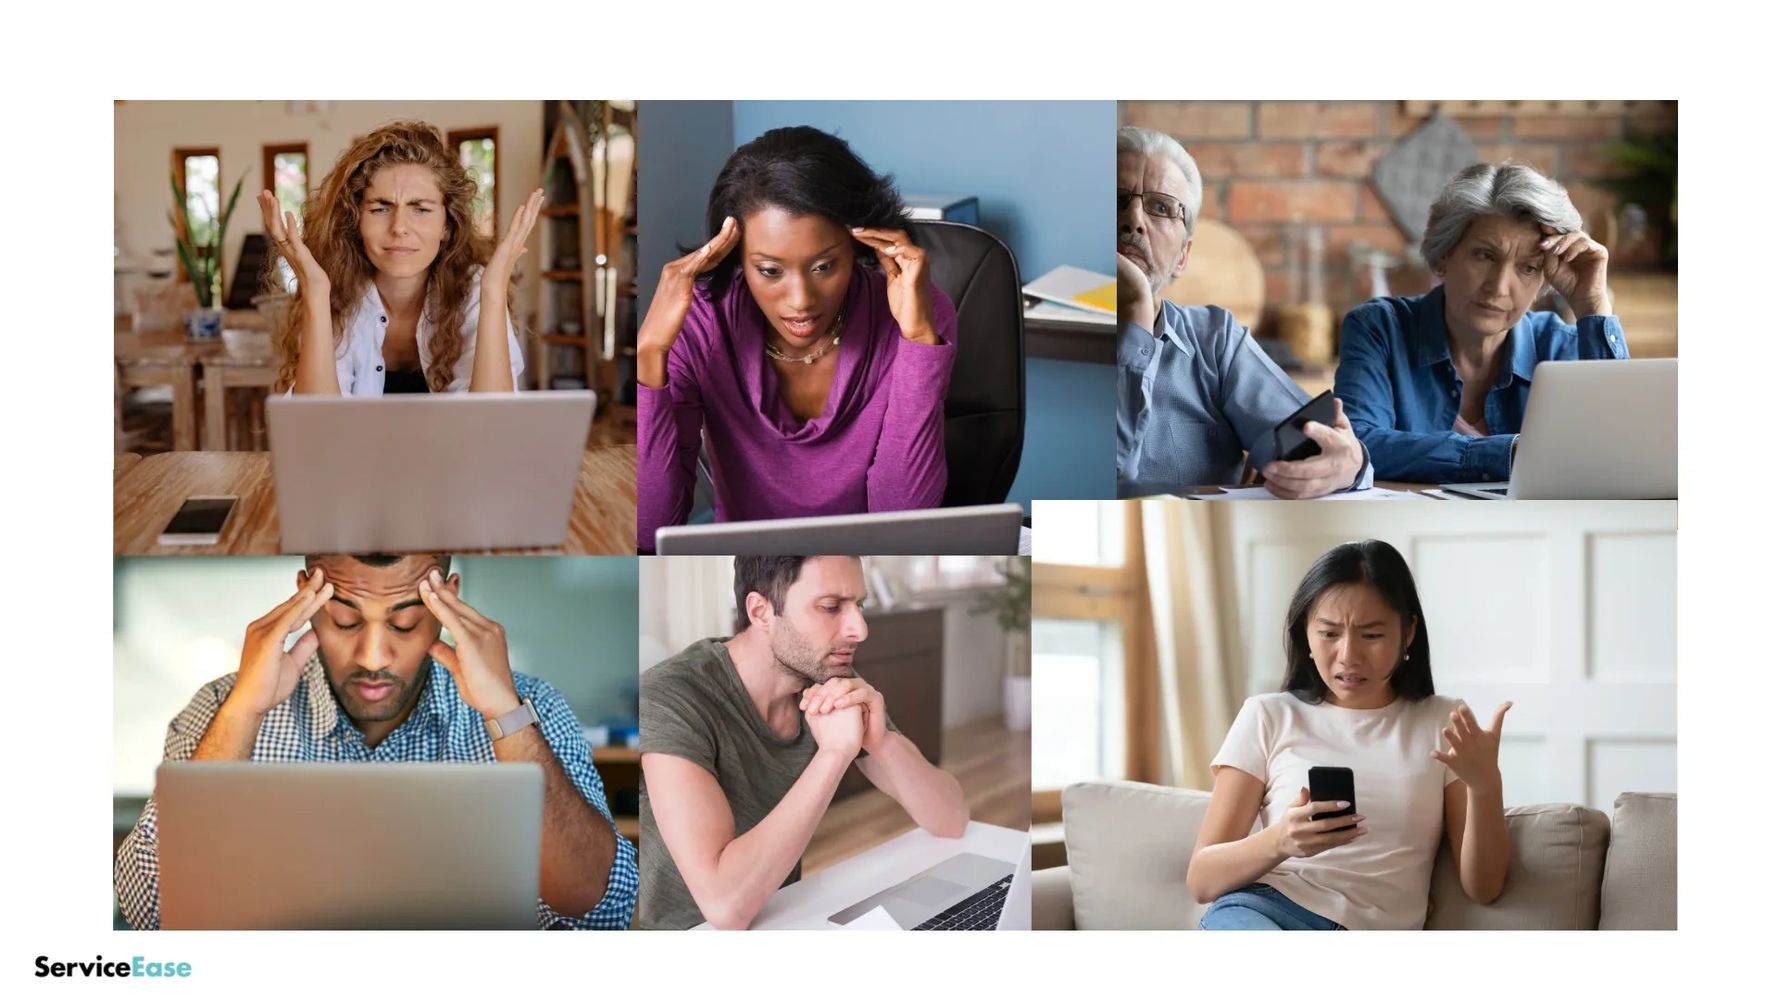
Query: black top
(404, 380)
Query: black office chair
(985, 408)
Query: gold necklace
(839, 327)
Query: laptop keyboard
(980, 912)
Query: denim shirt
(1192, 399)
(1402, 391)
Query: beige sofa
(1572, 867)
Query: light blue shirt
(1192, 399)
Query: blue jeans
(1261, 908)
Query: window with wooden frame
(284, 171)
(1093, 712)
(198, 170)
(477, 150)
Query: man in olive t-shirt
(744, 741)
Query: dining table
(167, 357)
(601, 519)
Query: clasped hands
(846, 714)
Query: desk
(1060, 340)
(121, 464)
(807, 904)
(602, 520)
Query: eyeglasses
(1161, 206)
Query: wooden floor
(993, 765)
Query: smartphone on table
(1332, 784)
(199, 521)
(1291, 444)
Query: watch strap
(503, 726)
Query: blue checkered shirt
(309, 726)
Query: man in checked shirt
(370, 680)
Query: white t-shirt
(1383, 879)
(359, 358)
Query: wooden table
(122, 463)
(602, 520)
(222, 372)
(165, 357)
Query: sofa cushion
(1552, 881)
(1128, 848)
(1641, 886)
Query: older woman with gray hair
(1436, 384)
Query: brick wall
(1266, 163)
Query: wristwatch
(513, 721)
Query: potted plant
(1010, 604)
(202, 259)
(1647, 178)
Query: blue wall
(1040, 170)
(1037, 166)
(681, 146)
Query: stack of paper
(1074, 294)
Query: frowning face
(1159, 246)
(374, 635)
(1357, 640)
(1492, 277)
(402, 220)
(817, 633)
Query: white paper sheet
(1261, 493)
(878, 919)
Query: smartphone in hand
(1292, 445)
(1332, 784)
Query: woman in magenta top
(815, 384)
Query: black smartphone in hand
(1332, 784)
(1291, 444)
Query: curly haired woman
(396, 290)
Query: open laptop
(966, 892)
(458, 471)
(1595, 430)
(250, 846)
(989, 529)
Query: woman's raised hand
(1300, 835)
(672, 300)
(498, 274)
(1574, 264)
(910, 288)
(1474, 756)
(281, 227)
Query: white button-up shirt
(359, 357)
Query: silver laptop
(250, 846)
(989, 529)
(968, 892)
(426, 473)
(1595, 430)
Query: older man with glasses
(1194, 391)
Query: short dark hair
(1380, 566)
(382, 559)
(804, 171)
(768, 576)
